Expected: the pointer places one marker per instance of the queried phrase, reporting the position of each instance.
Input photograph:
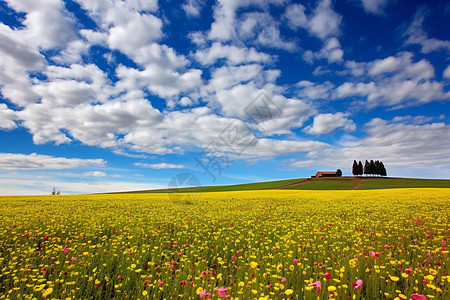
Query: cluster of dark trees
(370, 168)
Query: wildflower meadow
(272, 244)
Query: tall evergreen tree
(372, 167)
(360, 168)
(383, 171)
(377, 170)
(366, 168)
(355, 170)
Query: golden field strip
(272, 244)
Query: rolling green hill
(224, 188)
(404, 183)
(343, 183)
(369, 183)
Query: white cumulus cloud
(94, 174)
(7, 117)
(375, 6)
(399, 144)
(327, 123)
(416, 35)
(396, 81)
(18, 161)
(324, 22)
(160, 166)
(193, 8)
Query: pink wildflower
(374, 254)
(222, 292)
(205, 294)
(316, 284)
(358, 283)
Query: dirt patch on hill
(358, 181)
(357, 184)
(291, 184)
(315, 179)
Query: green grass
(319, 184)
(225, 188)
(343, 183)
(394, 183)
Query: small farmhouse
(326, 174)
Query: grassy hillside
(325, 184)
(364, 183)
(343, 183)
(394, 183)
(224, 188)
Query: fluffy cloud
(374, 6)
(258, 28)
(226, 77)
(139, 31)
(312, 91)
(16, 60)
(95, 125)
(16, 161)
(143, 5)
(164, 73)
(268, 148)
(395, 81)
(127, 26)
(331, 51)
(94, 174)
(295, 14)
(327, 123)
(7, 117)
(323, 22)
(177, 132)
(158, 80)
(446, 73)
(63, 97)
(417, 120)
(160, 166)
(417, 36)
(263, 29)
(74, 85)
(132, 32)
(75, 49)
(40, 19)
(398, 144)
(293, 113)
(223, 28)
(232, 54)
(192, 8)
(200, 128)
(242, 98)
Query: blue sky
(102, 95)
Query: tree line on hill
(370, 168)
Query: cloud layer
(115, 75)
(17, 161)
